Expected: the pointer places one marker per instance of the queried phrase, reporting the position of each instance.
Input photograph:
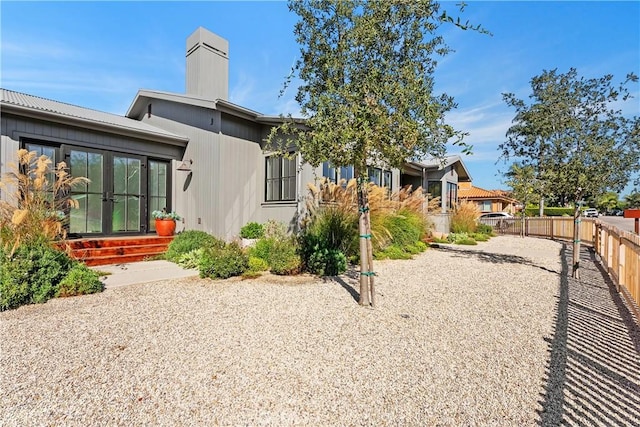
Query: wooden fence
(619, 250)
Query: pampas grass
(34, 209)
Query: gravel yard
(461, 336)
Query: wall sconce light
(184, 166)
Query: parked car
(591, 213)
(491, 218)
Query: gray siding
(14, 128)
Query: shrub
(257, 264)
(80, 280)
(464, 218)
(263, 248)
(191, 259)
(467, 241)
(222, 263)
(479, 237)
(189, 240)
(31, 275)
(392, 252)
(252, 230)
(275, 229)
(326, 262)
(284, 258)
(484, 229)
(461, 239)
(550, 211)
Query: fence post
(552, 222)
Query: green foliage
(549, 211)
(252, 230)
(191, 259)
(263, 248)
(461, 239)
(632, 200)
(392, 252)
(80, 280)
(189, 240)
(257, 264)
(464, 219)
(31, 275)
(479, 237)
(163, 214)
(572, 136)
(223, 262)
(284, 258)
(331, 233)
(326, 262)
(484, 229)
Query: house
(194, 153)
(487, 200)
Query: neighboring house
(439, 178)
(195, 153)
(487, 200)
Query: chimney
(207, 65)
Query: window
(158, 183)
(485, 206)
(380, 177)
(434, 188)
(452, 195)
(280, 178)
(336, 174)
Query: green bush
(191, 259)
(326, 262)
(479, 237)
(404, 228)
(31, 275)
(392, 252)
(80, 280)
(461, 239)
(257, 264)
(252, 230)
(284, 258)
(263, 248)
(550, 211)
(222, 263)
(189, 240)
(484, 229)
(331, 236)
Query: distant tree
(524, 186)
(367, 92)
(576, 141)
(632, 200)
(608, 201)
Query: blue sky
(98, 54)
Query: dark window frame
(278, 187)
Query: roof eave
(93, 125)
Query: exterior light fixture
(184, 166)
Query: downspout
(299, 191)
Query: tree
(632, 200)
(367, 92)
(607, 202)
(524, 186)
(574, 138)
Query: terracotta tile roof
(481, 193)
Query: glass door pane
(127, 192)
(158, 182)
(87, 218)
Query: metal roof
(21, 103)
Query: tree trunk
(575, 273)
(372, 289)
(365, 268)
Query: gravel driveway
(461, 336)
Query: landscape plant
(574, 136)
(189, 240)
(35, 205)
(367, 72)
(465, 218)
(223, 262)
(252, 230)
(80, 280)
